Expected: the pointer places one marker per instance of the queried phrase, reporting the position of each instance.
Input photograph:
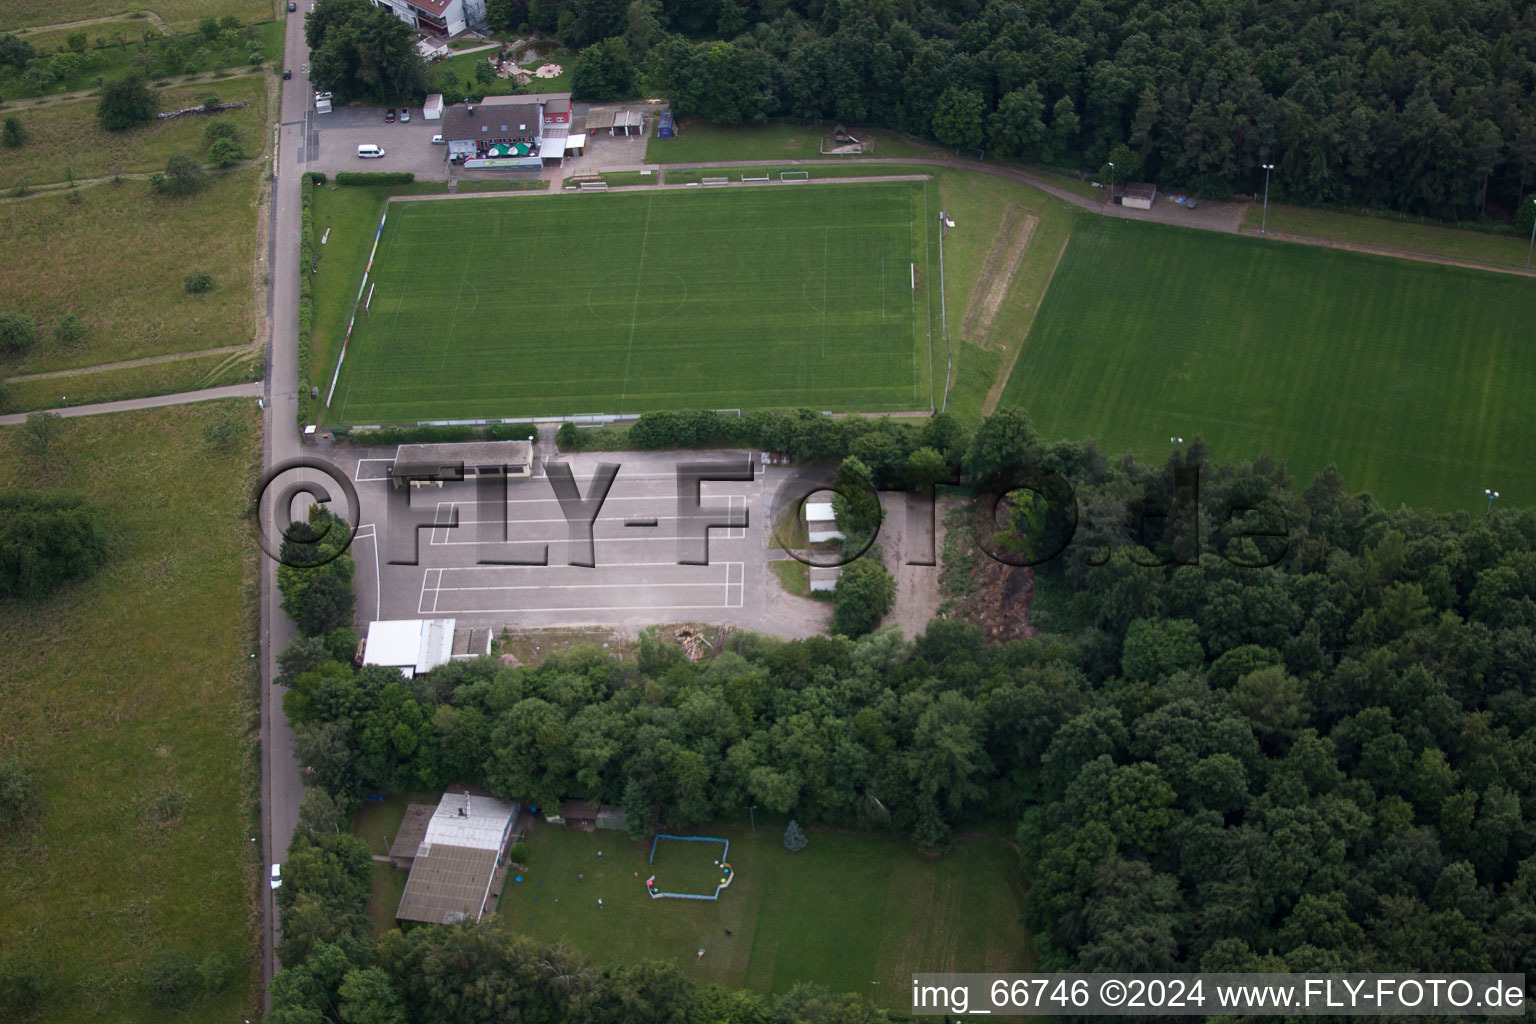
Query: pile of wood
(693, 643)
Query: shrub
(14, 134)
(21, 187)
(213, 972)
(17, 333)
(568, 437)
(19, 798)
(199, 283)
(211, 100)
(863, 595)
(220, 129)
(125, 104)
(183, 176)
(225, 152)
(24, 981)
(170, 977)
(518, 853)
(71, 329)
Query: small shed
(821, 522)
(575, 145)
(824, 579)
(1138, 195)
(413, 829)
(628, 122)
(432, 110)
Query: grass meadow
(64, 142)
(1406, 236)
(848, 910)
(131, 697)
(176, 13)
(1416, 379)
(699, 140)
(118, 259)
(625, 302)
(90, 386)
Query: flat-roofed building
(456, 862)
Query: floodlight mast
(1264, 220)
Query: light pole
(944, 313)
(1264, 220)
(752, 811)
(1111, 182)
(1491, 495)
(1528, 248)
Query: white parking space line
(468, 599)
(357, 472)
(444, 536)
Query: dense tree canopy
(1402, 104)
(47, 541)
(362, 52)
(125, 103)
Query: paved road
(281, 790)
(253, 390)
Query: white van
(368, 150)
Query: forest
(1423, 106)
(1267, 729)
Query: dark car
(292, 6)
(287, 73)
(389, 116)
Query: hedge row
(375, 178)
(306, 270)
(438, 435)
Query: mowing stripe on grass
(607, 304)
(1414, 378)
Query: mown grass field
(1405, 236)
(699, 140)
(89, 386)
(132, 691)
(781, 297)
(1418, 380)
(65, 141)
(846, 911)
(118, 259)
(177, 13)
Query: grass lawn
(1416, 379)
(462, 70)
(1406, 236)
(132, 691)
(132, 382)
(176, 13)
(698, 141)
(847, 911)
(111, 62)
(565, 304)
(65, 140)
(497, 186)
(118, 260)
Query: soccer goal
(794, 175)
(716, 181)
(594, 186)
(762, 177)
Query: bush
(518, 853)
(225, 152)
(21, 188)
(199, 283)
(375, 178)
(14, 134)
(17, 333)
(863, 595)
(210, 100)
(183, 176)
(125, 104)
(568, 437)
(214, 972)
(24, 981)
(19, 799)
(171, 977)
(220, 129)
(71, 329)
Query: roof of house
(557, 104)
(469, 820)
(434, 7)
(819, 512)
(411, 645)
(429, 460)
(1138, 189)
(413, 829)
(628, 117)
(447, 883)
(490, 120)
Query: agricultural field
(849, 910)
(1416, 379)
(65, 143)
(776, 298)
(131, 697)
(175, 13)
(116, 256)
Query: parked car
(405, 115)
(437, 140)
(287, 73)
(389, 116)
(369, 151)
(277, 876)
(292, 6)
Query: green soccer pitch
(1418, 380)
(776, 297)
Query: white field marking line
(437, 590)
(373, 535)
(740, 584)
(826, 234)
(634, 309)
(929, 299)
(590, 608)
(595, 540)
(563, 565)
(357, 472)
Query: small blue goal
(726, 874)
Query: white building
(413, 646)
(437, 17)
(821, 522)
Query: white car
(277, 876)
(437, 140)
(405, 115)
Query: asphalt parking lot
(634, 579)
(331, 142)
